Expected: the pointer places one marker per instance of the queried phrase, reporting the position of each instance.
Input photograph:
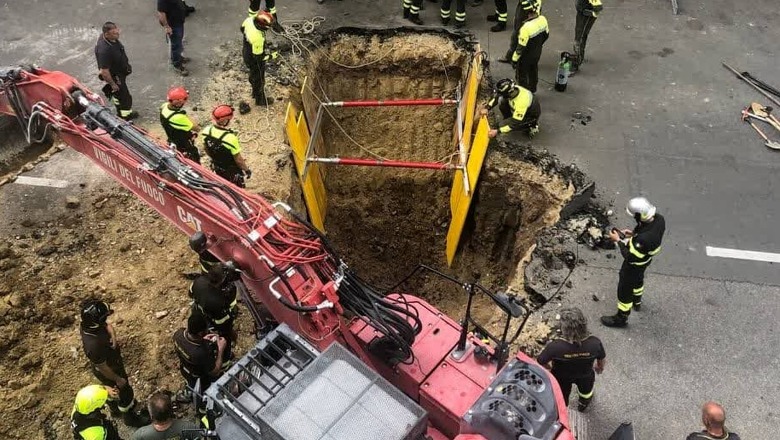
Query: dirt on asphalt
(384, 222)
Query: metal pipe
(383, 163)
(390, 103)
(742, 77)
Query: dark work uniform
(270, 6)
(519, 113)
(197, 359)
(218, 305)
(530, 40)
(222, 146)
(97, 347)
(207, 260)
(587, 11)
(255, 57)
(572, 364)
(111, 55)
(703, 435)
(521, 15)
(175, 12)
(638, 253)
(178, 128)
(460, 12)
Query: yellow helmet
(90, 398)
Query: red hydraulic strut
(384, 163)
(391, 103)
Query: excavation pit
(386, 221)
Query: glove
(248, 174)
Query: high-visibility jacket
(177, 125)
(645, 243)
(591, 8)
(530, 39)
(519, 105)
(253, 36)
(222, 146)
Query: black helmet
(505, 86)
(198, 241)
(95, 312)
(217, 273)
(527, 5)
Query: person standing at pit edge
(179, 128)
(171, 15)
(223, 148)
(587, 12)
(114, 69)
(255, 54)
(638, 248)
(571, 357)
(102, 349)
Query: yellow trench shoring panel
(462, 199)
(475, 151)
(313, 187)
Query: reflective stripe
(624, 307)
(655, 251)
(460, 16)
(407, 4)
(640, 263)
(226, 138)
(234, 303)
(124, 113)
(639, 291)
(126, 408)
(445, 14)
(530, 29)
(586, 395)
(93, 433)
(414, 10)
(273, 11)
(254, 36)
(501, 17)
(252, 13)
(221, 320)
(176, 118)
(634, 251)
(205, 422)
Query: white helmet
(640, 208)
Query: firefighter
(530, 39)
(412, 11)
(87, 418)
(214, 297)
(102, 349)
(460, 13)
(114, 69)
(638, 248)
(587, 12)
(200, 357)
(255, 54)
(519, 108)
(223, 148)
(499, 17)
(713, 417)
(575, 357)
(270, 7)
(199, 243)
(180, 128)
(524, 7)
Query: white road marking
(40, 181)
(742, 255)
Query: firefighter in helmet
(638, 247)
(99, 341)
(519, 108)
(223, 148)
(87, 418)
(256, 55)
(180, 128)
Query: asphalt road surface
(665, 124)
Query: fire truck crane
(346, 361)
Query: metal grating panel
(284, 390)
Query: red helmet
(177, 93)
(264, 19)
(222, 111)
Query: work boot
(406, 13)
(415, 18)
(185, 60)
(181, 70)
(264, 100)
(136, 420)
(130, 116)
(492, 18)
(276, 26)
(498, 27)
(459, 24)
(582, 406)
(444, 21)
(638, 306)
(616, 320)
